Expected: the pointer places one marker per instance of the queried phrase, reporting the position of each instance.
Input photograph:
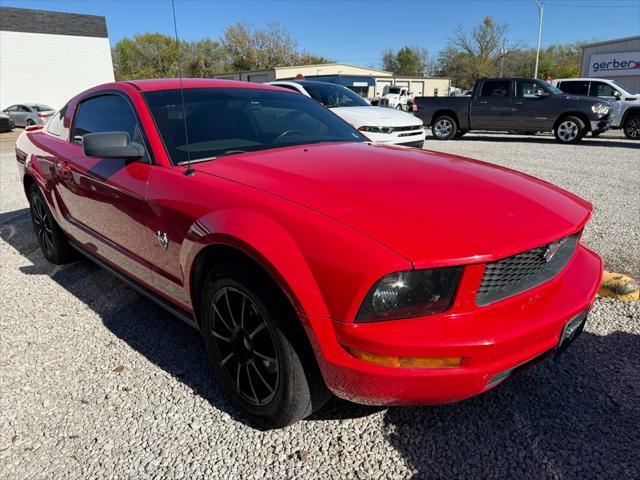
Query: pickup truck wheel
(444, 128)
(570, 130)
(255, 351)
(632, 128)
(51, 239)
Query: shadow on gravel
(160, 337)
(577, 417)
(502, 138)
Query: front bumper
(601, 125)
(501, 336)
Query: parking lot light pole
(540, 5)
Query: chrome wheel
(244, 345)
(42, 223)
(443, 128)
(568, 131)
(632, 128)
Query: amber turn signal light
(406, 362)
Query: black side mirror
(111, 145)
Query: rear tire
(570, 130)
(444, 128)
(632, 127)
(259, 352)
(52, 241)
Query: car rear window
(224, 120)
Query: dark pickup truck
(517, 105)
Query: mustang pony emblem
(163, 240)
(552, 249)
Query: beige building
(368, 82)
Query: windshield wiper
(207, 159)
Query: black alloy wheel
(245, 346)
(632, 128)
(52, 241)
(257, 347)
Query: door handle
(483, 102)
(519, 103)
(63, 166)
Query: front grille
(523, 271)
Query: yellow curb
(619, 286)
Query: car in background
(381, 125)
(6, 123)
(309, 258)
(515, 105)
(27, 114)
(625, 106)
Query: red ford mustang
(310, 260)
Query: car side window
(12, 108)
(55, 126)
(496, 89)
(528, 90)
(106, 113)
(575, 87)
(601, 89)
(22, 108)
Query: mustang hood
(434, 209)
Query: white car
(381, 125)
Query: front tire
(570, 130)
(632, 128)
(256, 352)
(444, 128)
(52, 241)
(30, 122)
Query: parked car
(625, 106)
(27, 114)
(379, 124)
(514, 104)
(6, 123)
(311, 260)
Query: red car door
(103, 199)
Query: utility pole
(540, 5)
(503, 52)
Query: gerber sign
(614, 64)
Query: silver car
(26, 114)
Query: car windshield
(223, 121)
(41, 108)
(395, 90)
(554, 90)
(622, 89)
(332, 95)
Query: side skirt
(182, 314)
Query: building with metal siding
(368, 82)
(48, 57)
(617, 60)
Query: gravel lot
(98, 382)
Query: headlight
(412, 293)
(370, 129)
(600, 109)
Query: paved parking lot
(98, 382)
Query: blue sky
(358, 31)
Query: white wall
(50, 69)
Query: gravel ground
(97, 382)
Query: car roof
(175, 83)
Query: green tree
(411, 61)
(149, 55)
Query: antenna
(189, 171)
